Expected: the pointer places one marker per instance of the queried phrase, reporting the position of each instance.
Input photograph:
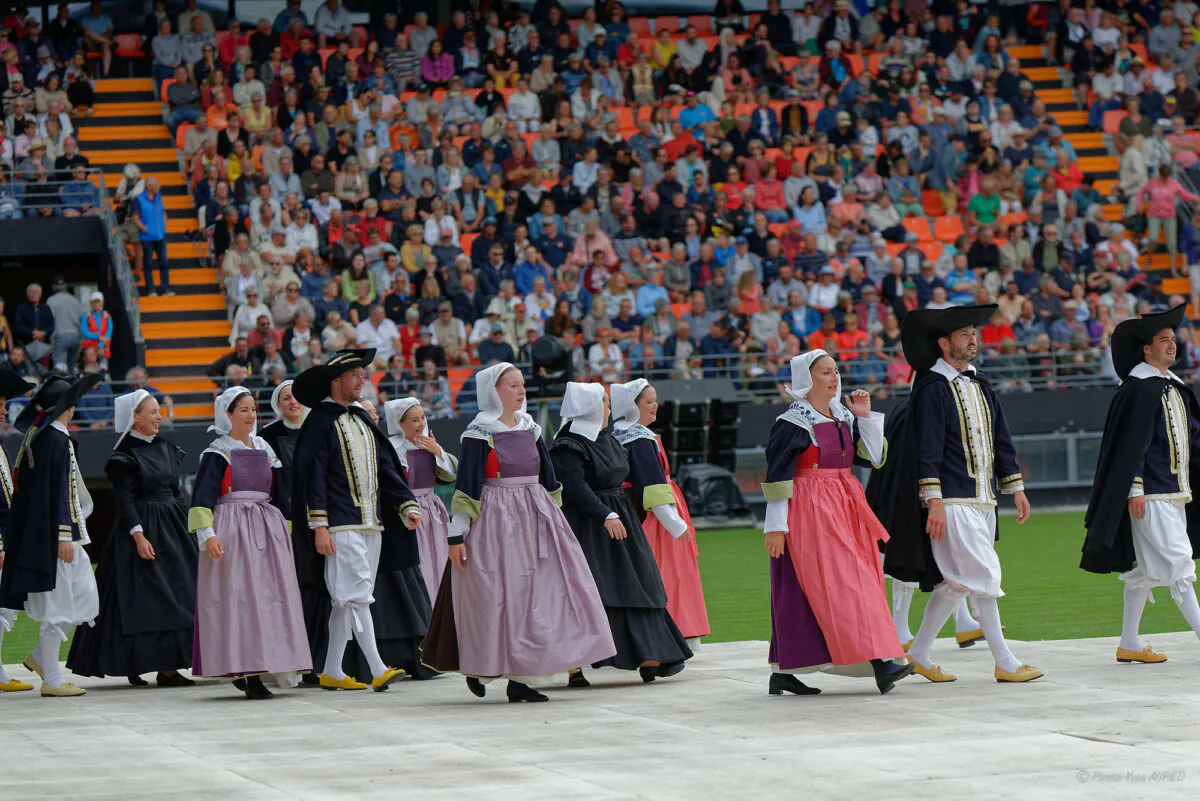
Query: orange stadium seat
(703, 24)
(918, 226)
(948, 229)
(666, 24)
(1112, 120)
(640, 26)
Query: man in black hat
(955, 448)
(11, 386)
(48, 572)
(347, 491)
(1141, 521)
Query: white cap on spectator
(96, 296)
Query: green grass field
(1048, 596)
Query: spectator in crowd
(68, 316)
(33, 327)
(150, 217)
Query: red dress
(678, 559)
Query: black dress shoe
(476, 686)
(668, 669)
(786, 682)
(138, 681)
(311, 679)
(422, 673)
(576, 679)
(888, 673)
(518, 692)
(256, 690)
(648, 673)
(240, 684)
(175, 679)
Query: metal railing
(757, 377)
(122, 271)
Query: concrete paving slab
(1091, 728)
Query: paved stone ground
(1091, 728)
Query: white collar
(943, 368)
(61, 427)
(142, 437)
(1146, 370)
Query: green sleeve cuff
(199, 517)
(863, 453)
(777, 491)
(556, 494)
(444, 477)
(463, 503)
(657, 495)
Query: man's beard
(963, 354)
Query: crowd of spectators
(681, 197)
(44, 83)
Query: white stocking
(989, 621)
(1185, 598)
(937, 612)
(902, 595)
(963, 621)
(1135, 602)
(339, 635)
(46, 654)
(366, 643)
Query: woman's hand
(859, 402)
(428, 444)
(615, 528)
(774, 543)
(66, 551)
(144, 548)
(458, 556)
(412, 520)
(213, 547)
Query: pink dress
(678, 559)
(832, 546)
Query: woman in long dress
(666, 520)
(147, 573)
(829, 609)
(518, 600)
(248, 615)
(425, 464)
(592, 467)
(281, 434)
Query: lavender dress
(248, 614)
(525, 604)
(435, 521)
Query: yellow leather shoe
(1147, 655)
(908, 645)
(348, 683)
(380, 683)
(32, 664)
(1021, 674)
(966, 639)
(934, 672)
(64, 690)
(15, 686)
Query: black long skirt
(147, 607)
(630, 587)
(401, 615)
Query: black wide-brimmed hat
(56, 395)
(922, 328)
(312, 386)
(1130, 336)
(13, 385)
